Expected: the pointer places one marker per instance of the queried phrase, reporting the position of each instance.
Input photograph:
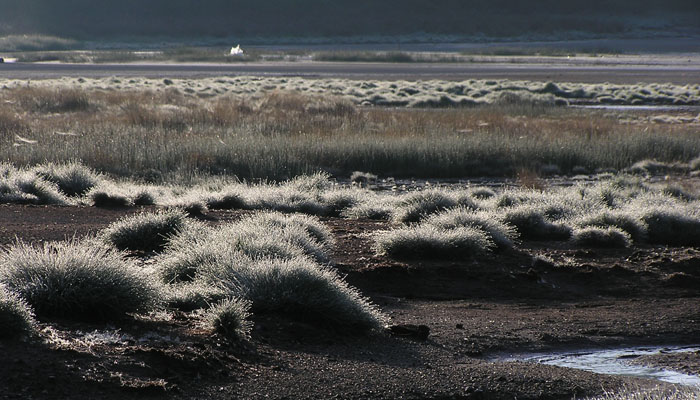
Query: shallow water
(639, 108)
(614, 362)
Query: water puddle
(615, 362)
(620, 107)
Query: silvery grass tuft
(147, 231)
(656, 393)
(627, 221)
(296, 288)
(675, 227)
(263, 234)
(230, 318)
(501, 234)
(72, 178)
(78, 279)
(431, 242)
(190, 296)
(46, 192)
(108, 194)
(601, 237)
(16, 316)
(532, 224)
(416, 206)
(312, 225)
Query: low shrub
(77, 279)
(428, 241)
(147, 231)
(601, 237)
(297, 288)
(531, 224)
(16, 316)
(229, 318)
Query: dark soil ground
(543, 296)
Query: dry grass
(281, 134)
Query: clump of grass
(653, 167)
(230, 319)
(226, 201)
(672, 227)
(45, 192)
(369, 210)
(11, 193)
(430, 242)
(109, 195)
(297, 288)
(44, 100)
(337, 201)
(626, 221)
(73, 178)
(531, 224)
(362, 177)
(298, 196)
(417, 206)
(601, 237)
(482, 193)
(194, 296)
(144, 197)
(16, 316)
(262, 235)
(147, 231)
(312, 225)
(678, 192)
(186, 251)
(656, 393)
(500, 233)
(77, 279)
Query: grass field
(277, 128)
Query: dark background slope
(84, 19)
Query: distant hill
(313, 18)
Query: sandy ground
(545, 296)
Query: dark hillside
(188, 18)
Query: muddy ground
(539, 297)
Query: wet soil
(687, 363)
(540, 297)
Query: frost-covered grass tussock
(16, 316)
(77, 279)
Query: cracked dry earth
(540, 297)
